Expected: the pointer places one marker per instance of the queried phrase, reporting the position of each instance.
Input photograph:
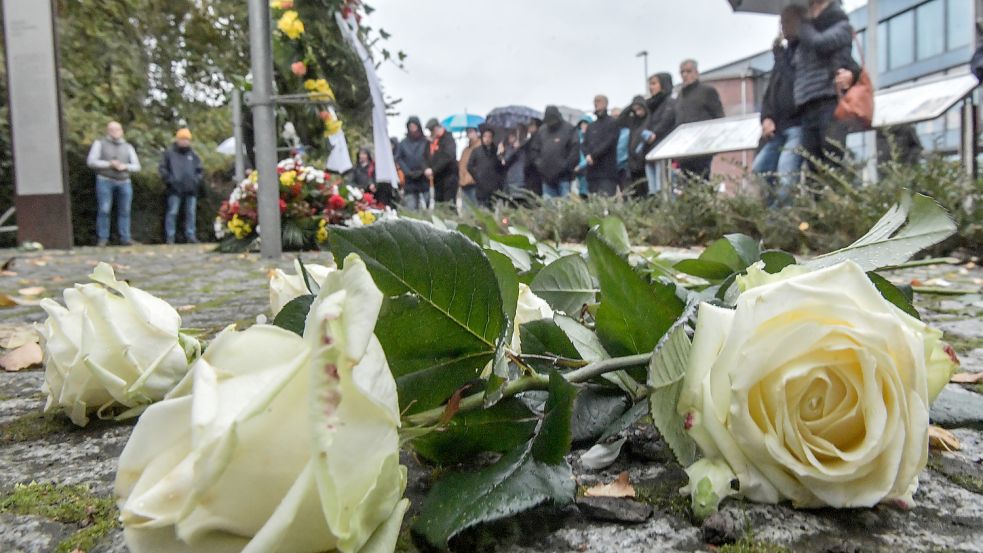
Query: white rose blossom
(815, 389)
(284, 287)
(111, 345)
(280, 444)
(529, 308)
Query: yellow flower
(319, 89)
(288, 178)
(367, 217)
(322, 231)
(332, 128)
(239, 228)
(254, 176)
(281, 4)
(291, 25)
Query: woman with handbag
(824, 67)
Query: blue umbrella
(462, 121)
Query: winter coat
(515, 166)
(825, 45)
(698, 102)
(442, 160)
(363, 176)
(601, 143)
(556, 148)
(464, 177)
(662, 111)
(488, 171)
(637, 144)
(778, 103)
(411, 158)
(181, 170)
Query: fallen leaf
(8, 265)
(967, 378)
(186, 308)
(621, 487)
(15, 336)
(942, 440)
(803, 226)
(7, 273)
(28, 355)
(7, 301)
(31, 291)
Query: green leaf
(634, 314)
(630, 417)
(293, 316)
(893, 294)
(501, 428)
(312, 285)
(526, 477)
(566, 284)
(666, 372)
(546, 338)
(442, 320)
(613, 230)
(508, 282)
(748, 249)
(595, 410)
(722, 252)
(776, 260)
(519, 257)
(908, 228)
(709, 270)
(587, 343)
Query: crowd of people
(606, 154)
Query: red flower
(368, 198)
(299, 68)
(336, 202)
(283, 205)
(234, 208)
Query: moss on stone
(71, 505)
(665, 496)
(32, 426)
(750, 545)
(965, 481)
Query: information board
(717, 136)
(921, 101)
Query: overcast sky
(491, 53)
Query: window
(901, 40)
(882, 47)
(960, 16)
(860, 46)
(930, 23)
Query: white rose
(529, 308)
(815, 389)
(284, 287)
(112, 345)
(285, 444)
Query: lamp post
(645, 54)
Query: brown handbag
(857, 102)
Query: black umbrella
(763, 6)
(510, 116)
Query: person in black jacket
(662, 121)
(555, 152)
(697, 102)
(363, 175)
(600, 149)
(411, 158)
(442, 163)
(638, 121)
(781, 126)
(181, 170)
(487, 167)
(534, 181)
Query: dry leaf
(803, 226)
(7, 301)
(621, 487)
(967, 378)
(15, 336)
(186, 308)
(942, 440)
(31, 291)
(7, 273)
(8, 265)
(28, 355)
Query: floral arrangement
(310, 201)
(772, 379)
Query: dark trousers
(823, 138)
(602, 186)
(698, 167)
(385, 194)
(445, 190)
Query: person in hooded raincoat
(411, 158)
(555, 153)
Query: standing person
(411, 157)
(638, 122)
(465, 179)
(555, 153)
(662, 121)
(486, 166)
(624, 141)
(442, 163)
(113, 159)
(515, 161)
(363, 175)
(823, 61)
(583, 189)
(697, 102)
(600, 149)
(181, 170)
(534, 181)
(781, 126)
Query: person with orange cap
(181, 170)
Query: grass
(72, 505)
(750, 545)
(32, 426)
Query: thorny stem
(532, 382)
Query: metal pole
(970, 128)
(264, 126)
(644, 54)
(870, 63)
(237, 135)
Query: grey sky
(480, 54)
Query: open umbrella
(510, 116)
(227, 147)
(462, 121)
(763, 6)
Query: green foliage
(666, 373)
(500, 428)
(68, 505)
(293, 316)
(894, 294)
(532, 474)
(566, 284)
(443, 318)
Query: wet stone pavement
(212, 291)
